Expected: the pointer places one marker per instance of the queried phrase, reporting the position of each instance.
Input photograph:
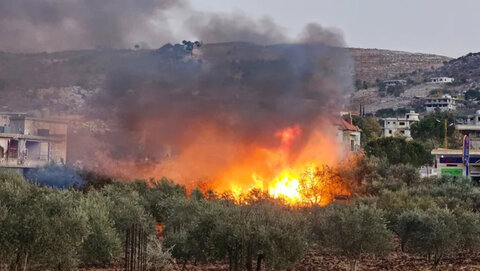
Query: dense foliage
(431, 130)
(399, 151)
(48, 228)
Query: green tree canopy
(353, 230)
(399, 151)
(431, 129)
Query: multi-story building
(444, 103)
(28, 142)
(399, 126)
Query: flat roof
(441, 151)
(33, 137)
(467, 127)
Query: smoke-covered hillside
(33, 81)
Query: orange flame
(305, 180)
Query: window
(43, 132)
(402, 123)
(2, 129)
(389, 132)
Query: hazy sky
(445, 27)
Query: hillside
(62, 81)
(372, 64)
(465, 70)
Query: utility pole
(445, 145)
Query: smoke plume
(52, 25)
(226, 108)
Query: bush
(102, 244)
(353, 230)
(399, 151)
(434, 231)
(158, 258)
(218, 230)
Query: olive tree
(432, 232)
(353, 230)
(102, 243)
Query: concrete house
(399, 126)
(441, 80)
(444, 103)
(348, 135)
(28, 142)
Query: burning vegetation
(230, 118)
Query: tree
(431, 129)
(434, 231)
(102, 243)
(472, 94)
(320, 185)
(399, 151)
(353, 230)
(261, 232)
(370, 127)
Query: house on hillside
(399, 126)
(441, 80)
(29, 142)
(394, 83)
(444, 103)
(348, 135)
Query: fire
(286, 186)
(298, 181)
(296, 166)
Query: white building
(348, 135)
(399, 126)
(441, 80)
(444, 103)
(393, 83)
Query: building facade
(450, 161)
(441, 80)
(28, 142)
(444, 103)
(399, 126)
(394, 83)
(348, 135)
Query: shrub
(353, 230)
(262, 231)
(102, 244)
(399, 151)
(434, 231)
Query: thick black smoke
(215, 28)
(206, 107)
(52, 25)
(229, 94)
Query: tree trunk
(26, 261)
(353, 265)
(249, 258)
(259, 261)
(436, 261)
